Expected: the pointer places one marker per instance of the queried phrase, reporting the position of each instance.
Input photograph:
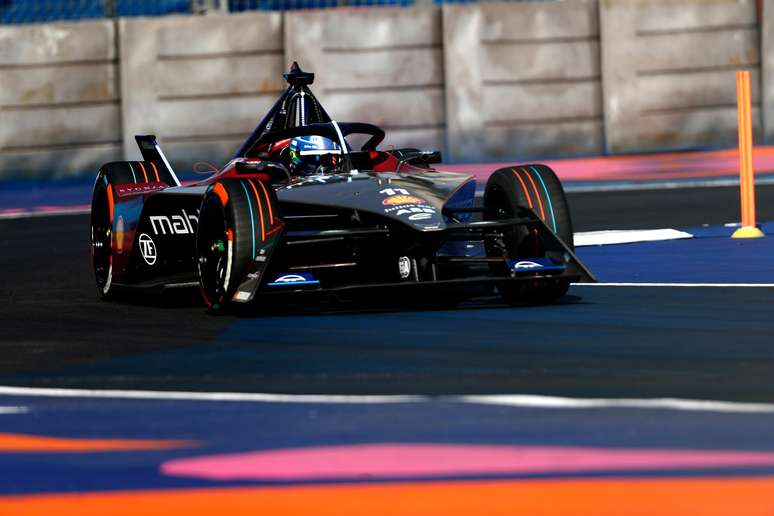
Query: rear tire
(103, 226)
(535, 187)
(234, 220)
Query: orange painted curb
(740, 496)
(23, 443)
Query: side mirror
(430, 157)
(277, 172)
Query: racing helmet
(309, 152)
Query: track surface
(599, 342)
(436, 453)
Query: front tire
(535, 187)
(235, 217)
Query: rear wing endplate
(149, 147)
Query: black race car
(362, 220)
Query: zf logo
(175, 225)
(147, 249)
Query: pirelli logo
(181, 224)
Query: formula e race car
(299, 210)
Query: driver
(308, 154)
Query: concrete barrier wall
(383, 66)
(767, 45)
(201, 84)
(523, 80)
(488, 81)
(669, 68)
(59, 98)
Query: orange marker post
(746, 176)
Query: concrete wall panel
(199, 83)
(555, 20)
(693, 90)
(383, 66)
(504, 103)
(697, 50)
(767, 44)
(69, 126)
(522, 80)
(382, 70)
(59, 99)
(673, 16)
(57, 43)
(226, 76)
(372, 29)
(541, 139)
(668, 71)
(220, 116)
(73, 84)
(539, 62)
(426, 107)
(55, 162)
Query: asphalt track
(599, 342)
(597, 409)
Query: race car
(301, 210)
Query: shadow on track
(598, 342)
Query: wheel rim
(212, 251)
(101, 237)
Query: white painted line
(629, 236)
(682, 285)
(40, 214)
(205, 396)
(13, 410)
(514, 400)
(519, 400)
(727, 182)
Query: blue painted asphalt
(29, 195)
(227, 427)
(712, 257)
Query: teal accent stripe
(132, 169)
(548, 197)
(252, 218)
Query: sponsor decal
(135, 189)
(147, 249)
(404, 267)
(408, 210)
(394, 191)
(403, 199)
(421, 216)
(120, 234)
(286, 279)
(528, 265)
(290, 278)
(536, 264)
(241, 295)
(174, 224)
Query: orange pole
(748, 143)
(742, 120)
(746, 177)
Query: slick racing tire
(235, 218)
(535, 187)
(102, 239)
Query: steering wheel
(327, 130)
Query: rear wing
(149, 147)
